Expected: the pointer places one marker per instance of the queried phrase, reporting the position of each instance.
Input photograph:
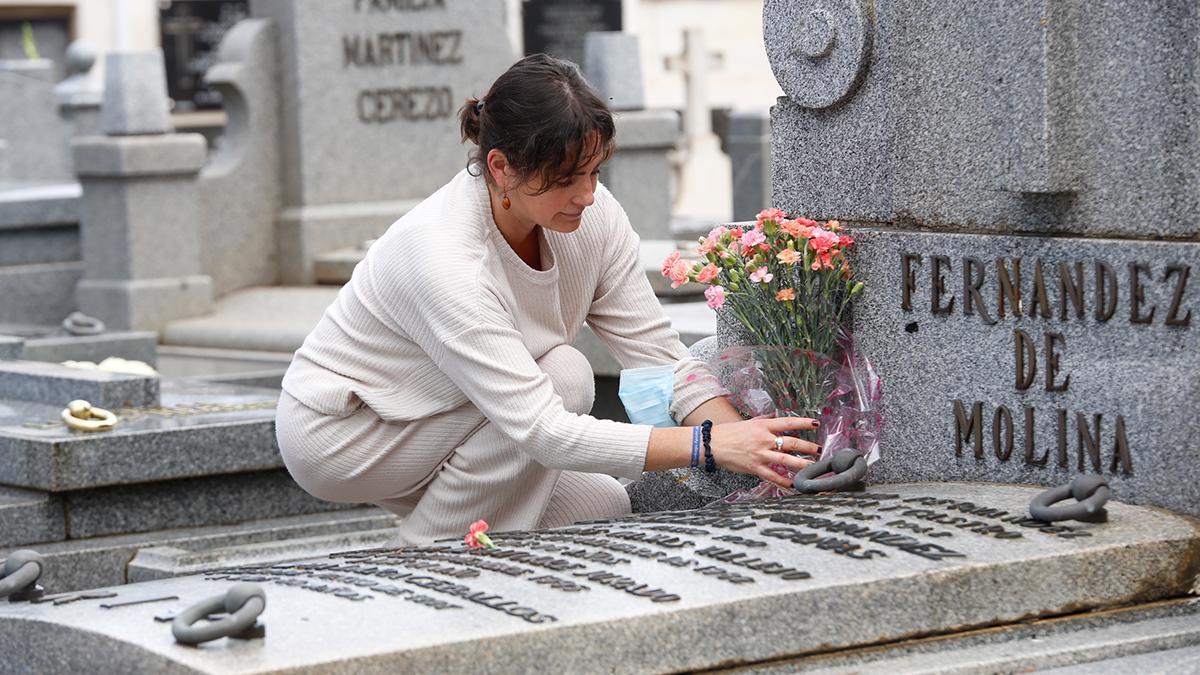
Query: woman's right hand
(750, 447)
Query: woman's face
(561, 207)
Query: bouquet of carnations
(789, 284)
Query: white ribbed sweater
(442, 311)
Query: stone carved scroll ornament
(818, 49)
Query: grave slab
(674, 591)
(54, 384)
(79, 564)
(199, 429)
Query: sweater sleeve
(628, 318)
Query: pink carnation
(769, 214)
(796, 228)
(708, 273)
(710, 242)
(751, 238)
(822, 240)
(715, 296)
(669, 262)
(679, 273)
(761, 275)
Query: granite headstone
(369, 98)
(1024, 190)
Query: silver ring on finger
(779, 443)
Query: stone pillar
(750, 155)
(640, 174)
(140, 204)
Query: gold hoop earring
(505, 201)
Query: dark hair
(541, 114)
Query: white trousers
(445, 472)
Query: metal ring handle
(243, 603)
(78, 323)
(80, 415)
(22, 569)
(849, 468)
(1090, 492)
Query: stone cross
(694, 63)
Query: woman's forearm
(718, 409)
(671, 447)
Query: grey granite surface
(240, 187)
(11, 346)
(750, 162)
(1158, 638)
(189, 502)
(639, 174)
(55, 384)
(80, 564)
(200, 430)
(162, 562)
(30, 517)
(1130, 388)
(35, 136)
(131, 345)
(27, 204)
(43, 293)
(369, 123)
(135, 93)
(672, 591)
(612, 64)
(994, 116)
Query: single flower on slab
(476, 537)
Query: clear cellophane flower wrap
(843, 393)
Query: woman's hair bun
(468, 119)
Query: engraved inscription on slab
(651, 578)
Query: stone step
(200, 429)
(80, 564)
(770, 586)
(39, 293)
(38, 204)
(54, 384)
(30, 516)
(54, 346)
(1156, 638)
(162, 562)
(337, 266)
(231, 366)
(224, 499)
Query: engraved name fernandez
(378, 50)
(1155, 294)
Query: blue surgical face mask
(647, 394)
